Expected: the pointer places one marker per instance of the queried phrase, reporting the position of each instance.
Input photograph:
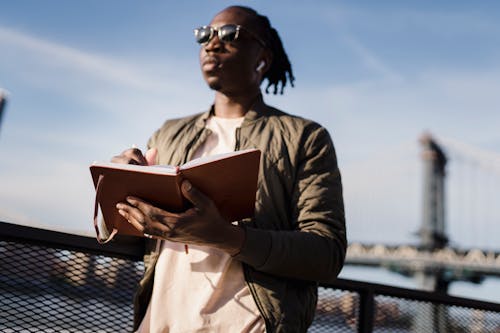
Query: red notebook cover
(230, 180)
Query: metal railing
(57, 282)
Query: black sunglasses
(226, 33)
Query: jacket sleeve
(316, 249)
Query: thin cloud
(97, 85)
(55, 54)
(370, 60)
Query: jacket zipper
(246, 270)
(248, 278)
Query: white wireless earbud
(261, 65)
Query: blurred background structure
(3, 102)
(436, 259)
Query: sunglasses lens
(202, 34)
(228, 33)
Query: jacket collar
(257, 110)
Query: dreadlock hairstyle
(280, 71)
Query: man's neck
(233, 107)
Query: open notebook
(230, 180)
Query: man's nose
(214, 44)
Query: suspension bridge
(455, 227)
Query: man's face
(229, 67)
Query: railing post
(366, 311)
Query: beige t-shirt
(204, 290)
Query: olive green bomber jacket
(297, 236)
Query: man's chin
(215, 86)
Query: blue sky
(88, 79)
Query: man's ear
(265, 61)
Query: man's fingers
(144, 223)
(148, 209)
(132, 220)
(130, 156)
(136, 155)
(151, 155)
(156, 217)
(140, 204)
(198, 199)
(130, 212)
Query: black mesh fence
(394, 314)
(54, 282)
(337, 311)
(54, 290)
(351, 306)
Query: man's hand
(135, 156)
(202, 224)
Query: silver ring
(148, 235)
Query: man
(259, 274)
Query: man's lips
(210, 64)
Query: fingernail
(187, 185)
(121, 212)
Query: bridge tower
(433, 229)
(432, 233)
